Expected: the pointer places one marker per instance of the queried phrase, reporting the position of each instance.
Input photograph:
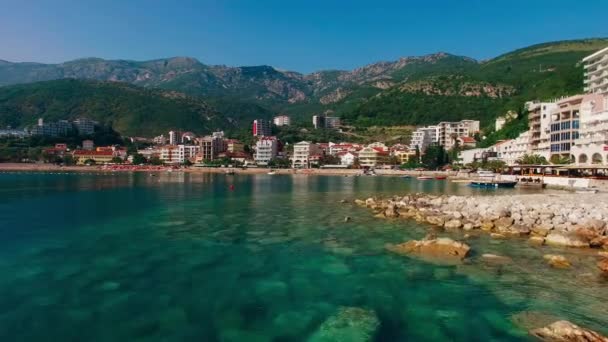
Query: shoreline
(542, 219)
(16, 167)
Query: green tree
(532, 159)
(116, 160)
(139, 159)
(155, 160)
(434, 157)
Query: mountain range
(410, 90)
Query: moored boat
(441, 177)
(424, 178)
(492, 184)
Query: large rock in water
(564, 331)
(558, 239)
(439, 249)
(348, 324)
(557, 261)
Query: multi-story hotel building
(423, 137)
(265, 150)
(596, 72)
(372, 156)
(592, 144)
(539, 122)
(261, 128)
(564, 128)
(302, 153)
(447, 132)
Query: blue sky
(295, 35)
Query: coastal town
(566, 137)
(304, 171)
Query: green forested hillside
(543, 71)
(131, 110)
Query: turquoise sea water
(130, 257)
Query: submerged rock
(536, 241)
(564, 331)
(436, 249)
(496, 259)
(348, 324)
(557, 261)
(603, 266)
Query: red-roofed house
(466, 141)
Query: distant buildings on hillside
(324, 121)
(281, 120)
(261, 128)
(81, 126)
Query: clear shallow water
(181, 257)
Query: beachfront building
(592, 145)
(265, 150)
(373, 156)
(210, 147)
(539, 123)
(175, 137)
(510, 151)
(564, 128)
(261, 128)
(282, 120)
(596, 72)
(171, 154)
(423, 137)
(335, 149)
(82, 157)
(403, 156)
(347, 158)
(302, 153)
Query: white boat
(271, 172)
(587, 191)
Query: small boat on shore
(424, 178)
(441, 177)
(587, 191)
(272, 172)
(492, 184)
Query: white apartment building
(512, 150)
(281, 120)
(591, 147)
(596, 72)
(447, 132)
(423, 137)
(302, 153)
(171, 154)
(265, 150)
(539, 123)
(347, 158)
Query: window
(575, 124)
(554, 147)
(575, 135)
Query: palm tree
(532, 159)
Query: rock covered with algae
(348, 324)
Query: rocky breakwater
(559, 220)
